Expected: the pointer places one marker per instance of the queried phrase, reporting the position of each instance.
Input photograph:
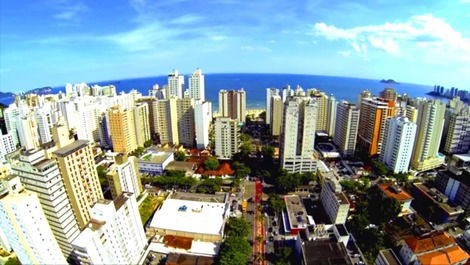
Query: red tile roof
(399, 196)
(429, 242)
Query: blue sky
(51, 42)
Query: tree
(102, 174)
(210, 185)
(284, 256)
(148, 143)
(241, 170)
(138, 152)
(267, 151)
(276, 202)
(211, 163)
(262, 116)
(237, 227)
(180, 156)
(234, 251)
(244, 137)
(379, 168)
(381, 209)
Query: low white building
(115, 234)
(334, 202)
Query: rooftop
(325, 252)
(429, 242)
(296, 211)
(390, 257)
(71, 148)
(224, 169)
(190, 216)
(395, 192)
(181, 165)
(185, 259)
(199, 197)
(155, 157)
(447, 256)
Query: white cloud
(70, 11)
(419, 31)
(186, 19)
(465, 1)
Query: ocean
(343, 88)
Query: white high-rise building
(298, 135)
(7, 145)
(44, 122)
(399, 139)
(87, 123)
(196, 85)
(277, 107)
(347, 124)
(41, 174)
(25, 226)
(115, 234)
(227, 137)
(123, 175)
(202, 120)
(175, 84)
(270, 92)
(11, 114)
(27, 131)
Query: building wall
(122, 128)
(202, 121)
(227, 137)
(347, 124)
(25, 226)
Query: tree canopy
(241, 170)
(180, 156)
(211, 163)
(237, 227)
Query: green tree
(211, 163)
(262, 116)
(138, 152)
(180, 156)
(234, 251)
(241, 170)
(237, 227)
(284, 256)
(381, 209)
(276, 202)
(13, 261)
(244, 137)
(102, 174)
(148, 143)
(210, 185)
(379, 168)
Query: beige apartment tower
(142, 126)
(232, 104)
(347, 125)
(78, 169)
(122, 128)
(428, 135)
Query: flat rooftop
(325, 252)
(181, 165)
(296, 211)
(390, 257)
(71, 148)
(395, 192)
(155, 157)
(199, 197)
(190, 216)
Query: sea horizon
(255, 84)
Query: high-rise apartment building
(428, 137)
(25, 226)
(41, 175)
(298, 135)
(184, 117)
(347, 125)
(232, 104)
(7, 145)
(389, 94)
(398, 144)
(10, 115)
(122, 129)
(78, 170)
(141, 123)
(374, 113)
(124, 176)
(27, 131)
(175, 84)
(457, 131)
(362, 95)
(227, 137)
(270, 92)
(202, 121)
(115, 234)
(277, 107)
(331, 116)
(44, 122)
(196, 85)
(412, 113)
(322, 109)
